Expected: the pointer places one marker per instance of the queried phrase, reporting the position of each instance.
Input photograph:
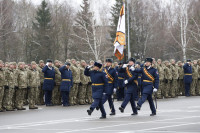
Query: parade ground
(177, 115)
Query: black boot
(112, 113)
(89, 111)
(152, 114)
(33, 107)
(97, 108)
(134, 114)
(102, 117)
(138, 107)
(121, 109)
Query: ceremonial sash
(109, 76)
(149, 75)
(130, 75)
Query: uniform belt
(188, 74)
(147, 81)
(49, 78)
(139, 76)
(98, 84)
(110, 82)
(120, 78)
(66, 79)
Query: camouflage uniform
(160, 92)
(83, 87)
(181, 89)
(56, 96)
(2, 83)
(193, 89)
(40, 92)
(76, 81)
(21, 83)
(198, 83)
(174, 85)
(33, 83)
(8, 95)
(168, 79)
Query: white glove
(89, 67)
(125, 65)
(115, 90)
(47, 64)
(155, 90)
(104, 93)
(126, 82)
(132, 68)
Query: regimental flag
(120, 40)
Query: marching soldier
(175, 76)
(56, 98)
(131, 84)
(150, 84)
(193, 89)
(168, 79)
(33, 83)
(187, 77)
(120, 90)
(181, 90)
(66, 83)
(49, 77)
(40, 92)
(112, 84)
(9, 88)
(160, 68)
(99, 85)
(2, 83)
(84, 83)
(21, 85)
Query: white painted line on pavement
(87, 129)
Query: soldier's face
(67, 66)
(108, 64)
(147, 63)
(159, 62)
(1, 65)
(41, 64)
(50, 64)
(56, 64)
(92, 63)
(21, 66)
(130, 63)
(95, 68)
(12, 66)
(33, 66)
(83, 64)
(173, 62)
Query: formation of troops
(78, 83)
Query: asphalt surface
(179, 115)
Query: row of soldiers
(22, 84)
(171, 78)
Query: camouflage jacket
(33, 78)
(21, 78)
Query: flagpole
(129, 50)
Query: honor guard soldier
(120, 90)
(66, 83)
(112, 84)
(150, 84)
(49, 77)
(99, 85)
(187, 77)
(131, 85)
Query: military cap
(149, 60)
(137, 63)
(67, 63)
(99, 61)
(109, 60)
(188, 60)
(14, 63)
(56, 61)
(33, 63)
(20, 63)
(132, 59)
(41, 61)
(91, 61)
(82, 61)
(99, 65)
(68, 60)
(49, 60)
(120, 63)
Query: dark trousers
(109, 98)
(65, 97)
(120, 93)
(129, 98)
(150, 100)
(98, 103)
(187, 89)
(48, 96)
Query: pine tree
(42, 27)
